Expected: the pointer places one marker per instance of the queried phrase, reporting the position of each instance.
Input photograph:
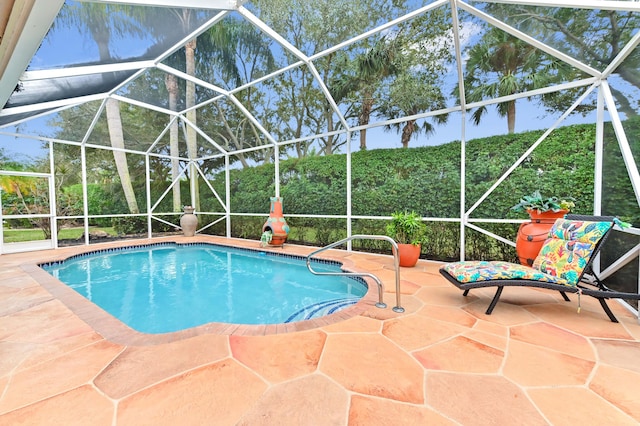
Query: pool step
(321, 309)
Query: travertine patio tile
(17, 356)
(13, 354)
(444, 296)
(481, 400)
(388, 312)
(409, 303)
(365, 411)
(526, 296)
(26, 325)
(6, 293)
(218, 394)
(461, 354)
(631, 325)
(4, 381)
(366, 264)
(406, 286)
(498, 342)
(281, 357)
(572, 406)
(491, 328)
(530, 365)
(620, 387)
(59, 375)
(371, 365)
(358, 324)
(432, 266)
(504, 313)
(14, 300)
(552, 337)
(417, 277)
(16, 277)
(359, 376)
(388, 276)
(449, 314)
(619, 353)
(78, 407)
(416, 331)
(587, 323)
(311, 400)
(12, 270)
(142, 366)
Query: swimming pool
(168, 287)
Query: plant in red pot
(543, 212)
(408, 230)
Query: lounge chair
(563, 264)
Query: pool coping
(116, 331)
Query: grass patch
(21, 235)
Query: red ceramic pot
(531, 235)
(409, 254)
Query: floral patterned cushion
(482, 270)
(561, 260)
(568, 248)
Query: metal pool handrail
(396, 264)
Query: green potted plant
(408, 230)
(539, 204)
(543, 212)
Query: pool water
(171, 287)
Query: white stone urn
(189, 222)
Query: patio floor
(534, 361)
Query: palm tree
(171, 82)
(371, 68)
(216, 47)
(412, 94)
(592, 36)
(234, 52)
(101, 21)
(501, 65)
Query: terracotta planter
(531, 235)
(409, 254)
(276, 223)
(189, 222)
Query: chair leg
(465, 292)
(494, 301)
(604, 305)
(565, 297)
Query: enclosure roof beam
(577, 4)
(50, 105)
(85, 70)
(27, 24)
(195, 4)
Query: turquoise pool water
(170, 287)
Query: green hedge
(427, 180)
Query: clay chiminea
(276, 223)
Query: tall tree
(313, 27)
(171, 82)
(501, 65)
(412, 94)
(424, 56)
(369, 69)
(592, 36)
(101, 21)
(235, 52)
